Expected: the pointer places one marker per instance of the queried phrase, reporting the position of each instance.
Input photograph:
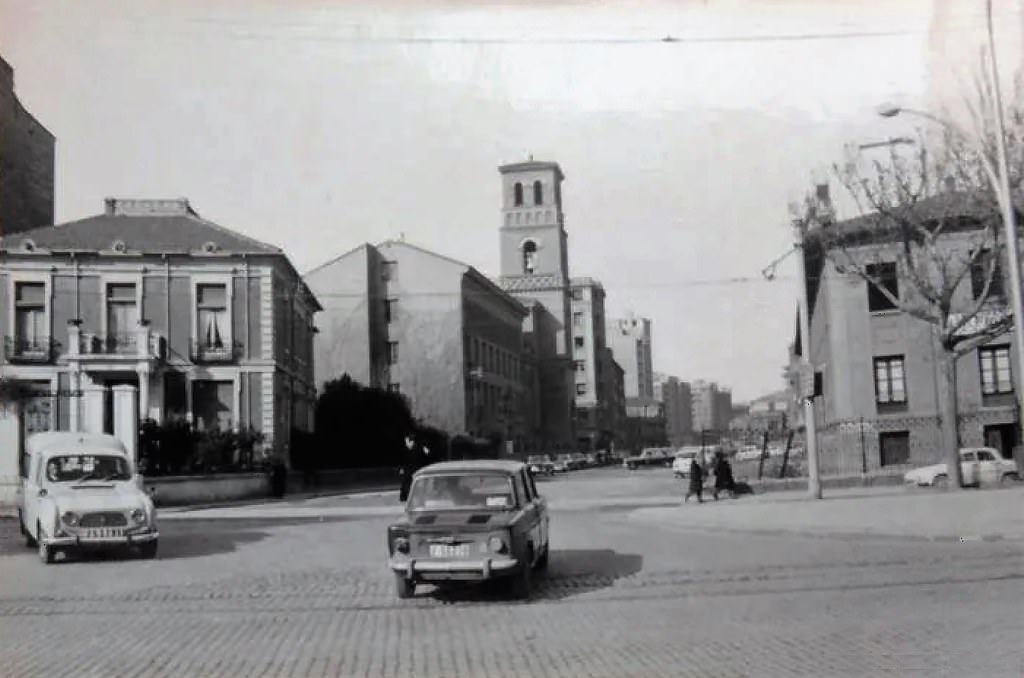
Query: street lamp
(1000, 180)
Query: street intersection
(648, 588)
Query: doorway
(108, 397)
(1002, 437)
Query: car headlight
(70, 518)
(138, 516)
(497, 544)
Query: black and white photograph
(511, 338)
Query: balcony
(203, 352)
(34, 350)
(142, 344)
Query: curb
(275, 501)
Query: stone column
(126, 417)
(74, 400)
(93, 396)
(10, 450)
(144, 377)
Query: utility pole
(810, 425)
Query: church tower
(535, 269)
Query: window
(30, 317)
(392, 352)
(389, 270)
(390, 310)
(581, 389)
(890, 386)
(517, 196)
(985, 455)
(979, 275)
(894, 448)
(529, 256)
(578, 342)
(393, 387)
(577, 294)
(577, 319)
(212, 315)
(211, 404)
(123, 314)
(885, 274)
(538, 193)
(995, 370)
(581, 366)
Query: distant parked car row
(550, 464)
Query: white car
(80, 491)
(681, 464)
(978, 465)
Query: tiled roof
(174, 227)
(529, 283)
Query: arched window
(538, 193)
(529, 256)
(518, 191)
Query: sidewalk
(876, 512)
(291, 499)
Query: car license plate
(449, 550)
(101, 532)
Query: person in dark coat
(417, 455)
(696, 482)
(723, 477)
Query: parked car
(470, 521)
(591, 460)
(578, 461)
(565, 462)
(540, 465)
(81, 491)
(651, 456)
(977, 465)
(681, 462)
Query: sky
(321, 125)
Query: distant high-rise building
(630, 341)
(712, 407)
(26, 163)
(677, 402)
(598, 398)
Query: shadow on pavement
(570, 572)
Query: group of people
(723, 478)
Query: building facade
(535, 268)
(878, 369)
(26, 163)
(599, 406)
(202, 322)
(630, 341)
(436, 330)
(712, 407)
(677, 404)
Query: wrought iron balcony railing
(29, 350)
(221, 352)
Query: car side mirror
(43, 492)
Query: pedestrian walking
(723, 477)
(696, 486)
(417, 455)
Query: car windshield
(84, 467)
(462, 491)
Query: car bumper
(102, 542)
(453, 570)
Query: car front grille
(103, 519)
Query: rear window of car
(492, 491)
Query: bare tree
(927, 241)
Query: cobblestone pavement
(313, 598)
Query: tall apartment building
(630, 341)
(26, 163)
(598, 401)
(677, 401)
(436, 330)
(712, 407)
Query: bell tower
(533, 237)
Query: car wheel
(47, 554)
(941, 481)
(30, 541)
(522, 581)
(404, 587)
(148, 550)
(1009, 479)
(542, 562)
